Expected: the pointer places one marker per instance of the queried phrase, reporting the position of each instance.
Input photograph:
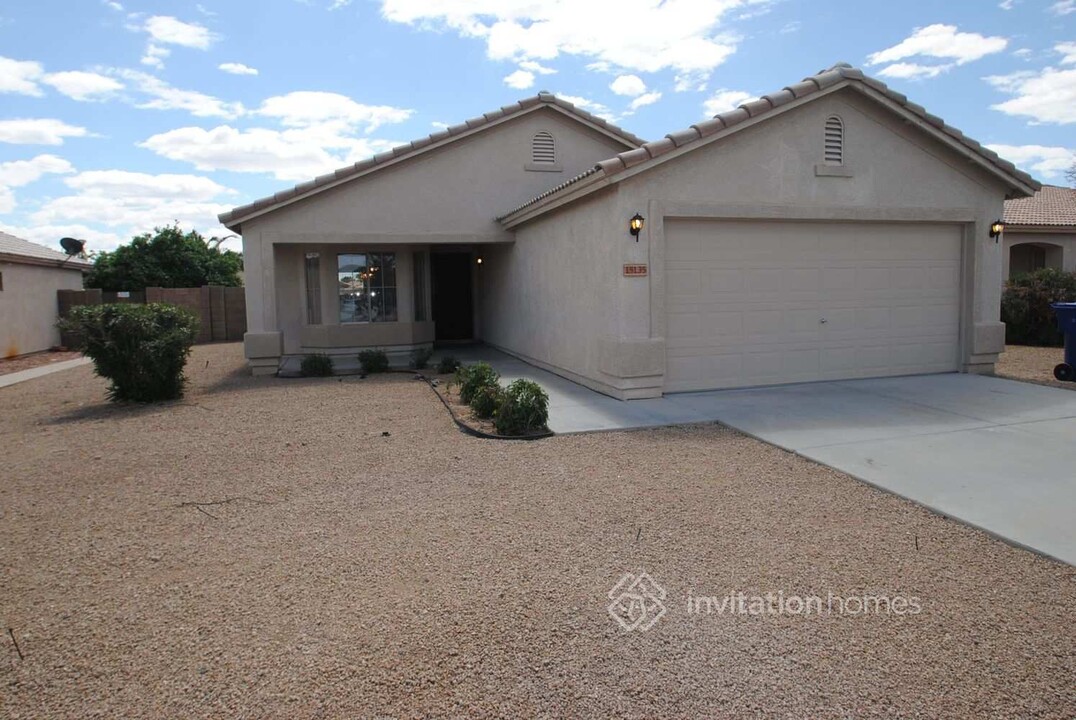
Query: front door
(453, 303)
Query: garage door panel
(746, 300)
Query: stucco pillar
(262, 343)
(986, 339)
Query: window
(420, 265)
(366, 284)
(834, 141)
(543, 149)
(313, 288)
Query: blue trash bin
(1066, 323)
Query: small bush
(486, 400)
(141, 349)
(316, 365)
(472, 378)
(374, 361)
(448, 364)
(420, 357)
(1025, 306)
(524, 409)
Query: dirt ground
(1032, 364)
(336, 547)
(32, 360)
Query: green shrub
(524, 409)
(374, 361)
(420, 357)
(472, 378)
(316, 365)
(1025, 306)
(448, 364)
(141, 349)
(486, 400)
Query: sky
(117, 116)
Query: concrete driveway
(994, 453)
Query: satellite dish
(72, 246)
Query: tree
(165, 258)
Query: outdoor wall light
(635, 226)
(996, 228)
(479, 261)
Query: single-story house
(832, 229)
(1040, 231)
(30, 275)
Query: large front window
(367, 287)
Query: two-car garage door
(759, 303)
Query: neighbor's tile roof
(363, 166)
(840, 72)
(11, 245)
(1052, 205)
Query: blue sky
(116, 116)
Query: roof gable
(720, 126)
(544, 100)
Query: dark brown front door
(453, 304)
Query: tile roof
(19, 248)
(839, 73)
(362, 167)
(1052, 205)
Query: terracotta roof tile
(236, 215)
(841, 72)
(1052, 205)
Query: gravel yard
(335, 571)
(1031, 364)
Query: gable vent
(543, 149)
(834, 147)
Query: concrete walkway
(23, 375)
(997, 454)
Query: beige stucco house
(832, 229)
(1040, 231)
(30, 275)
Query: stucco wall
(767, 171)
(28, 306)
(447, 196)
(1060, 246)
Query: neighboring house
(833, 229)
(1040, 232)
(30, 275)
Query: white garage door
(761, 303)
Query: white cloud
(23, 172)
(520, 80)
(1064, 7)
(1006, 4)
(440, 125)
(724, 100)
(112, 5)
(38, 131)
(1046, 161)
(913, 71)
(167, 30)
(645, 99)
(641, 35)
(306, 108)
(154, 56)
(537, 68)
(938, 41)
(1047, 96)
(20, 76)
(237, 69)
(296, 154)
(84, 86)
(162, 96)
(1068, 52)
(126, 184)
(630, 85)
(339, 4)
(136, 203)
(595, 108)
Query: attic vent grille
(834, 141)
(543, 150)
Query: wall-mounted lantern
(996, 228)
(478, 260)
(635, 226)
